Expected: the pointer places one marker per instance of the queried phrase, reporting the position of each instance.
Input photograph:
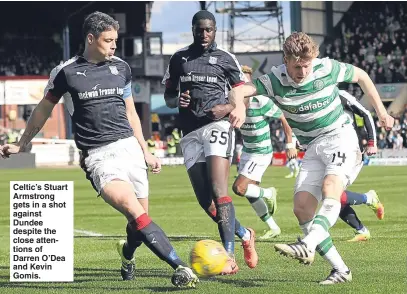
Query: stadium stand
(374, 38)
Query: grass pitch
(378, 265)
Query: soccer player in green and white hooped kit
(305, 89)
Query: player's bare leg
(262, 200)
(120, 195)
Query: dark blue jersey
(94, 96)
(207, 75)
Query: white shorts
(334, 154)
(122, 160)
(253, 167)
(214, 139)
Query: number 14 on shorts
(338, 158)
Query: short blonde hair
(247, 69)
(300, 46)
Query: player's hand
(386, 121)
(238, 116)
(371, 150)
(184, 99)
(8, 149)
(218, 111)
(291, 153)
(153, 162)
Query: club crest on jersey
(318, 85)
(292, 109)
(213, 60)
(114, 70)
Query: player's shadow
(115, 273)
(92, 275)
(256, 282)
(165, 289)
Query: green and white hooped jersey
(313, 107)
(256, 130)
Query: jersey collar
(82, 58)
(198, 48)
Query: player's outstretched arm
(364, 81)
(289, 146)
(37, 120)
(236, 99)
(135, 123)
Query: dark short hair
(97, 23)
(203, 14)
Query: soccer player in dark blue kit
(96, 87)
(197, 81)
(352, 107)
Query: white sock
(369, 198)
(295, 164)
(254, 191)
(290, 166)
(332, 255)
(362, 230)
(271, 223)
(326, 217)
(246, 236)
(335, 260)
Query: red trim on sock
(213, 212)
(224, 199)
(370, 143)
(142, 221)
(344, 198)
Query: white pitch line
(88, 233)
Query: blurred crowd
(396, 138)
(28, 55)
(374, 38)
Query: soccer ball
(208, 258)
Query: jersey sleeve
(358, 109)
(57, 85)
(233, 71)
(127, 88)
(172, 75)
(263, 85)
(342, 72)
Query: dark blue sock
(134, 240)
(156, 240)
(239, 229)
(225, 213)
(353, 198)
(348, 215)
